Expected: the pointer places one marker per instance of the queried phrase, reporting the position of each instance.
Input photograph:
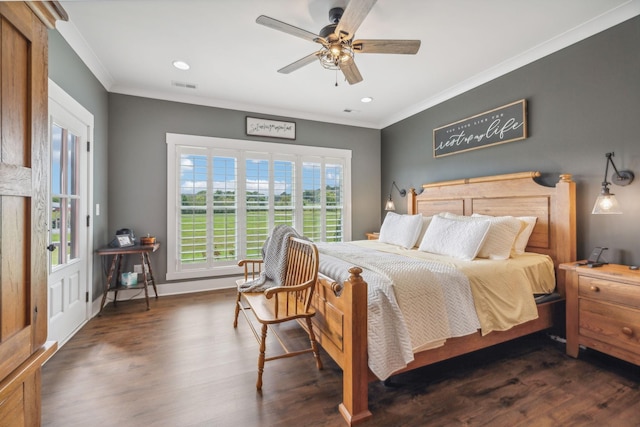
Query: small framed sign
(124, 240)
(503, 124)
(271, 128)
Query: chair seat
(264, 309)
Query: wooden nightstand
(372, 236)
(603, 310)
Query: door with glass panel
(68, 222)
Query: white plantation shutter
(284, 191)
(312, 200)
(224, 201)
(224, 196)
(193, 207)
(334, 213)
(257, 198)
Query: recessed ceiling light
(181, 65)
(366, 99)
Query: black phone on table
(594, 258)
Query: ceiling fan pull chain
(336, 78)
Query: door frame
(57, 94)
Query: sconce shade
(606, 203)
(390, 206)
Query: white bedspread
(435, 296)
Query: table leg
(144, 278)
(153, 280)
(112, 268)
(118, 272)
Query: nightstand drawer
(607, 290)
(612, 324)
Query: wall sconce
(390, 206)
(606, 203)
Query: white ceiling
(130, 45)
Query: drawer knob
(595, 288)
(627, 331)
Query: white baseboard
(173, 288)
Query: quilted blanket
(435, 296)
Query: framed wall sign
(271, 128)
(503, 124)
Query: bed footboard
(340, 325)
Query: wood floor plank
(183, 364)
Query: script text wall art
(498, 126)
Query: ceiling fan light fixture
(332, 56)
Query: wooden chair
(291, 301)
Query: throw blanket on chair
(274, 254)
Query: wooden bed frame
(341, 309)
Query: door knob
(51, 247)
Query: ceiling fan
(338, 46)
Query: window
(224, 196)
(65, 196)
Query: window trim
(300, 152)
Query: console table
(117, 255)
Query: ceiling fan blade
(286, 28)
(408, 47)
(353, 16)
(351, 72)
(299, 63)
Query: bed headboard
(516, 194)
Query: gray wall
(583, 102)
(70, 73)
(138, 160)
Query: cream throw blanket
(502, 289)
(436, 297)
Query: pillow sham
(459, 239)
(527, 223)
(400, 230)
(502, 234)
(522, 240)
(426, 220)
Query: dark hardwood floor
(183, 364)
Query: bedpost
(355, 373)
(566, 218)
(411, 201)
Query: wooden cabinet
(603, 310)
(372, 236)
(24, 180)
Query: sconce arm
(621, 178)
(402, 192)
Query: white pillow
(459, 239)
(522, 240)
(501, 238)
(401, 230)
(527, 224)
(426, 220)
